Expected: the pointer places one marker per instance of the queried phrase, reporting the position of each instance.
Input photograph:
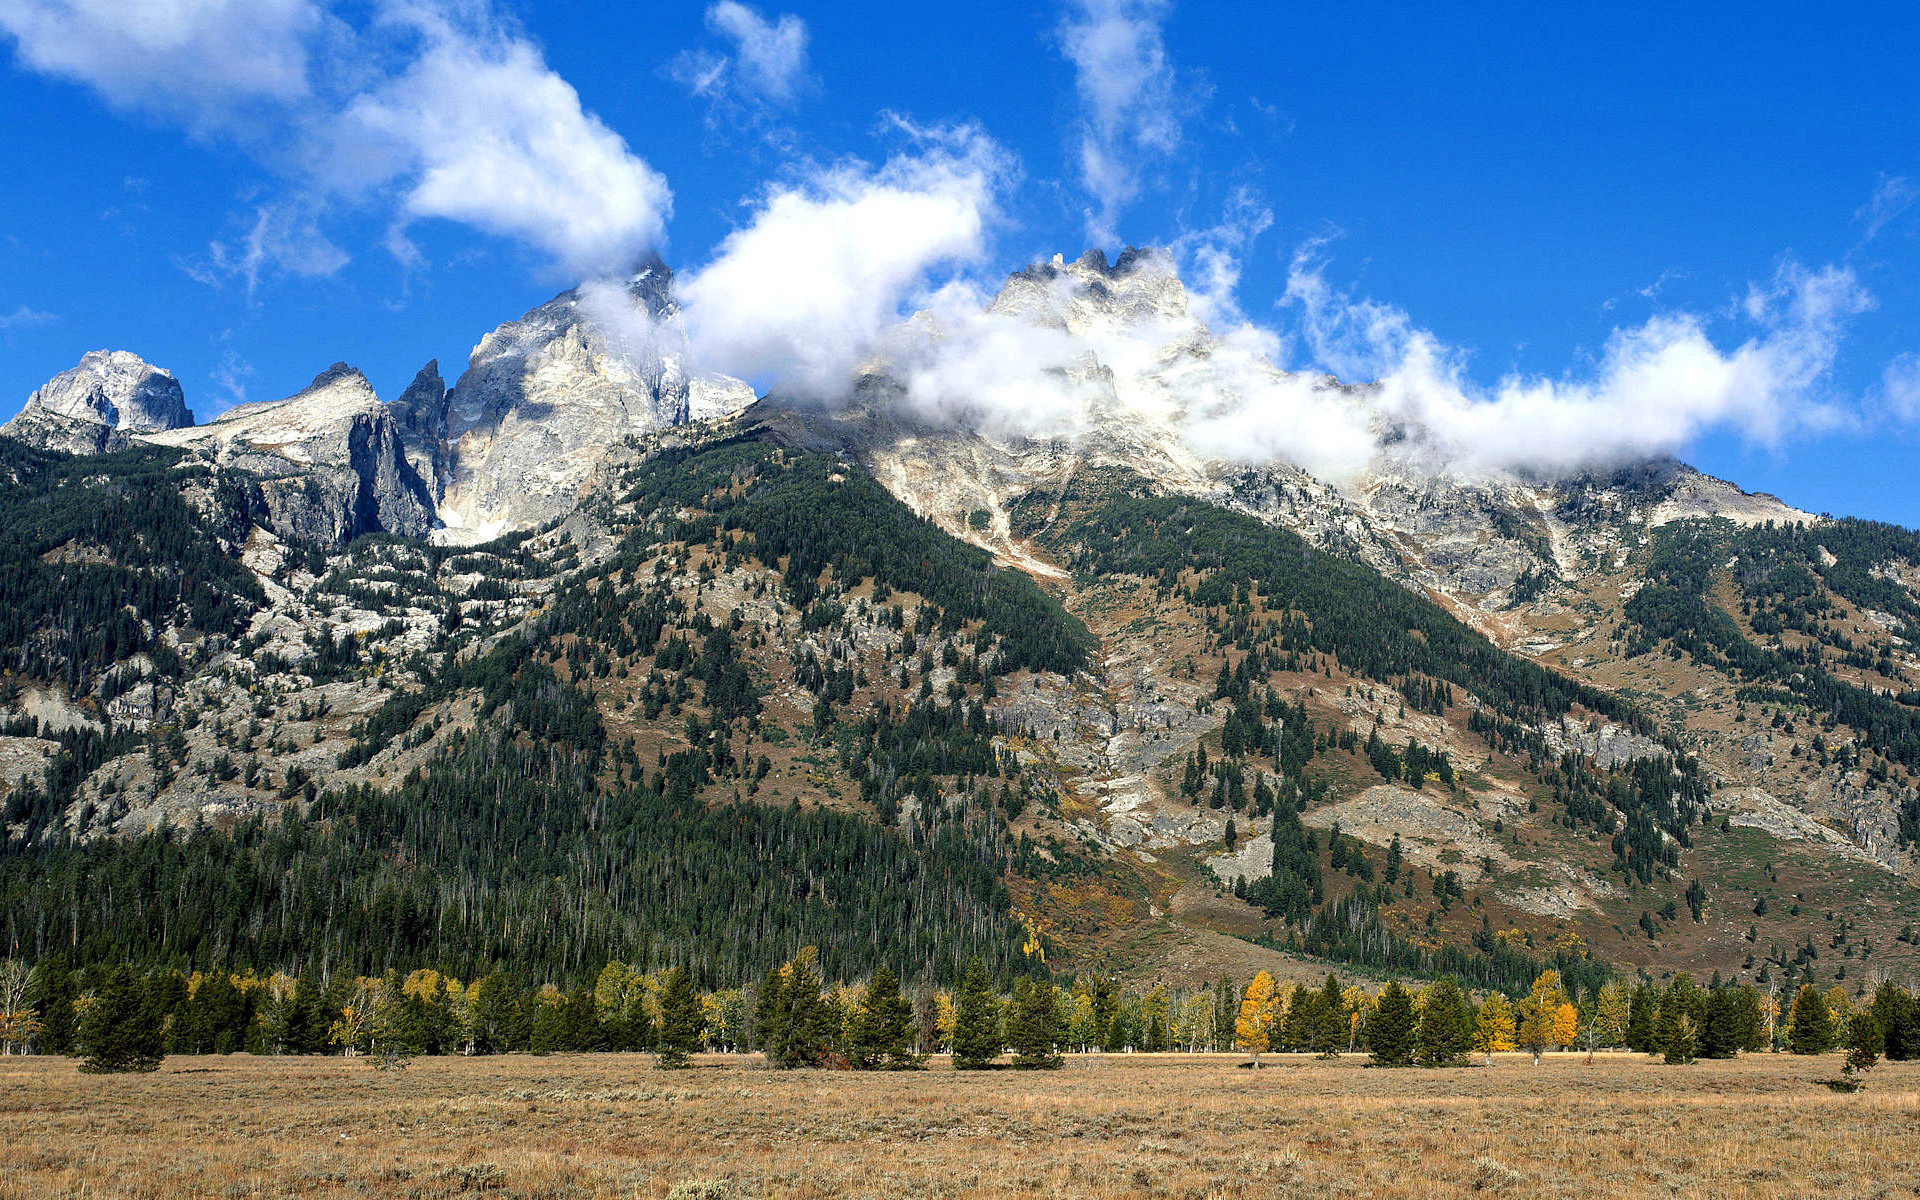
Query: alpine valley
(594, 655)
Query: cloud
(23, 316)
(281, 239)
(230, 374)
(771, 55)
(1900, 389)
(207, 63)
(803, 294)
(434, 109)
(1653, 389)
(479, 130)
(1130, 111)
(1892, 197)
(765, 67)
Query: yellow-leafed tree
(1566, 1024)
(1253, 1031)
(1493, 1028)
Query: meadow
(1106, 1126)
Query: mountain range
(597, 654)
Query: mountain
(593, 656)
(544, 399)
(95, 405)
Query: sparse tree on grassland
(1390, 1030)
(976, 1026)
(1533, 1027)
(882, 1033)
(18, 1023)
(1253, 1028)
(1445, 1033)
(1566, 1024)
(682, 1022)
(1032, 1027)
(1674, 1030)
(1493, 1026)
(119, 1030)
(1810, 1030)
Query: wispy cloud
(1130, 106)
(23, 317)
(762, 69)
(1891, 199)
(278, 239)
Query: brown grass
(1113, 1126)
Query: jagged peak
(118, 389)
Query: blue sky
(1515, 187)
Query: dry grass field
(1134, 1126)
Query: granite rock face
(92, 408)
(546, 398)
(329, 460)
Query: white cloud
(1892, 197)
(772, 55)
(1130, 109)
(764, 68)
(1654, 388)
(23, 316)
(807, 291)
(230, 375)
(281, 238)
(438, 107)
(204, 62)
(479, 130)
(1900, 389)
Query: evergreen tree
(1031, 1030)
(1391, 1028)
(1811, 1028)
(1330, 1030)
(119, 1031)
(976, 1025)
(770, 1017)
(882, 1027)
(682, 1021)
(1445, 1032)
(1720, 1032)
(1864, 1042)
(1674, 1030)
(54, 986)
(1895, 1012)
(1640, 1013)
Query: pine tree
(976, 1025)
(1674, 1030)
(1899, 1021)
(1330, 1029)
(682, 1020)
(1445, 1032)
(1864, 1042)
(1032, 1027)
(770, 1017)
(882, 1032)
(1390, 1031)
(1811, 1028)
(119, 1031)
(1640, 1011)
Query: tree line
(122, 1019)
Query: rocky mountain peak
(545, 398)
(116, 389)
